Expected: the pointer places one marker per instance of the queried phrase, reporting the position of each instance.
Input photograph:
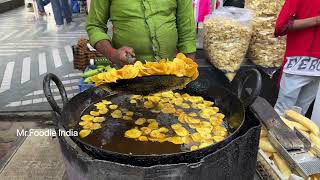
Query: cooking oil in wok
(111, 136)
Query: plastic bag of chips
(227, 34)
(264, 8)
(267, 53)
(265, 50)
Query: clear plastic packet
(264, 8)
(227, 34)
(267, 52)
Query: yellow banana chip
(202, 106)
(88, 125)
(157, 134)
(117, 114)
(194, 126)
(87, 118)
(175, 140)
(156, 140)
(113, 106)
(154, 99)
(193, 120)
(206, 136)
(153, 125)
(168, 94)
(127, 118)
(136, 97)
(181, 56)
(140, 121)
(101, 107)
(205, 115)
(129, 113)
(218, 138)
(84, 133)
(196, 137)
(143, 138)
(146, 130)
(83, 123)
(203, 130)
(185, 106)
(99, 119)
(208, 103)
(187, 139)
(220, 115)
(193, 114)
(103, 111)
(132, 101)
(133, 133)
(148, 104)
(181, 131)
(178, 113)
(95, 126)
(176, 126)
(163, 130)
(193, 148)
(205, 124)
(220, 133)
(94, 113)
(168, 110)
(106, 102)
(152, 121)
(204, 145)
(155, 111)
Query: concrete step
(7, 5)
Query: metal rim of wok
(150, 160)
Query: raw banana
(293, 124)
(282, 165)
(303, 121)
(263, 133)
(266, 146)
(315, 139)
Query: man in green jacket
(149, 29)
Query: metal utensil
(299, 160)
(148, 84)
(266, 169)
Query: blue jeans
(58, 6)
(41, 4)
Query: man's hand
(116, 56)
(119, 56)
(300, 24)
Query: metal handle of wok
(247, 96)
(48, 92)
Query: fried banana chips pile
(181, 66)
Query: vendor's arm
(97, 30)
(300, 24)
(186, 28)
(287, 21)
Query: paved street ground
(31, 48)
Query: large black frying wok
(231, 104)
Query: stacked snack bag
(266, 50)
(227, 34)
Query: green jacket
(153, 28)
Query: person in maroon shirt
(300, 21)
